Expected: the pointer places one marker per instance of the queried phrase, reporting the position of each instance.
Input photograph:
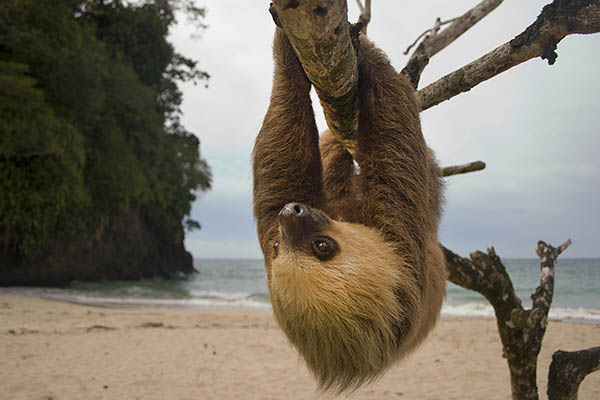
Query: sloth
(355, 272)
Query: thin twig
(437, 41)
(436, 28)
(360, 6)
(564, 246)
(365, 15)
(405, 52)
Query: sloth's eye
(275, 248)
(324, 248)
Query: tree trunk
(521, 331)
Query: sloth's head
(341, 294)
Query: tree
(321, 32)
(42, 155)
(90, 128)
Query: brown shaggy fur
(353, 315)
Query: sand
(55, 350)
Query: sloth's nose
(291, 210)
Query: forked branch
(521, 331)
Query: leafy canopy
(90, 120)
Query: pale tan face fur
(342, 314)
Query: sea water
(242, 283)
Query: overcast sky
(536, 126)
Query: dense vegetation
(89, 123)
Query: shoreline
(588, 315)
(60, 350)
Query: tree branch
(463, 169)
(557, 20)
(568, 369)
(542, 298)
(437, 41)
(365, 15)
(320, 33)
(484, 273)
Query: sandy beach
(55, 350)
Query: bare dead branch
(484, 273)
(568, 369)
(564, 246)
(537, 316)
(542, 298)
(557, 20)
(320, 33)
(463, 169)
(437, 41)
(521, 331)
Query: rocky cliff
(129, 248)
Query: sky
(536, 126)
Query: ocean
(222, 283)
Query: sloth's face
(306, 232)
(334, 288)
(316, 257)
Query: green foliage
(89, 121)
(41, 162)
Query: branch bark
(568, 369)
(320, 33)
(463, 169)
(557, 20)
(437, 41)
